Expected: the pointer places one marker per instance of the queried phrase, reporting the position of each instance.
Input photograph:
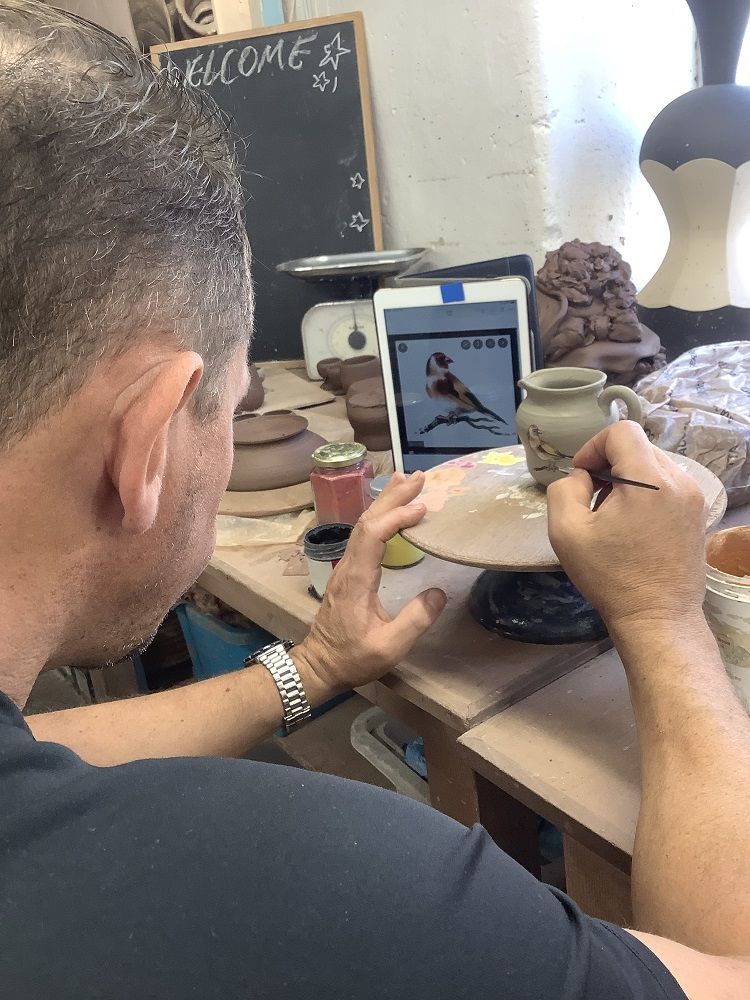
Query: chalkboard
(298, 97)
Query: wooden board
(459, 673)
(287, 391)
(297, 97)
(485, 510)
(265, 503)
(570, 752)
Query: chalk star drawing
(359, 222)
(357, 181)
(320, 81)
(332, 55)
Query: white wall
(507, 126)
(111, 14)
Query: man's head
(125, 312)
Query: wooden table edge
(608, 845)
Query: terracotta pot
(368, 416)
(355, 369)
(329, 370)
(367, 385)
(281, 455)
(255, 394)
(268, 428)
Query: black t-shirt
(224, 879)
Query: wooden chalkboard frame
(356, 19)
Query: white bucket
(727, 604)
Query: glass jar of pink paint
(341, 482)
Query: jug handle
(629, 398)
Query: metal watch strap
(276, 659)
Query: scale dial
(338, 330)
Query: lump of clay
(587, 314)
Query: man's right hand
(640, 556)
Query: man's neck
(25, 649)
(32, 596)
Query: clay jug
(563, 408)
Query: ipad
(519, 265)
(452, 355)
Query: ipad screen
(455, 369)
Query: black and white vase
(696, 157)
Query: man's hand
(354, 640)
(640, 556)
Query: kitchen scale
(345, 326)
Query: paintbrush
(608, 477)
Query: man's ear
(138, 436)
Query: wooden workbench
(511, 730)
(569, 753)
(457, 676)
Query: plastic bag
(699, 406)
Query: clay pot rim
(529, 381)
(301, 424)
(368, 400)
(359, 357)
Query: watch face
(338, 330)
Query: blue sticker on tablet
(453, 292)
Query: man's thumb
(416, 617)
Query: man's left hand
(354, 640)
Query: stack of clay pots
(361, 379)
(365, 408)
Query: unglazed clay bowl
(329, 370)
(255, 393)
(280, 456)
(355, 369)
(266, 428)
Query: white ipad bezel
(510, 289)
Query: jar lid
(378, 484)
(339, 454)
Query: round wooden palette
(485, 510)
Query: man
(124, 315)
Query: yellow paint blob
(501, 458)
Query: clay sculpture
(587, 315)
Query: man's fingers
(364, 553)
(568, 501)
(622, 447)
(400, 491)
(414, 619)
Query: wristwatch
(277, 661)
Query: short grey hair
(122, 214)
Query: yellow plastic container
(398, 552)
